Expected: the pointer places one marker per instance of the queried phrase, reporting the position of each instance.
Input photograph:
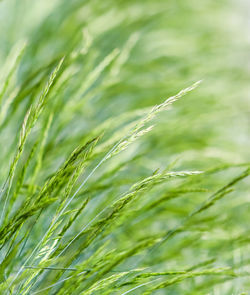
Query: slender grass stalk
(106, 188)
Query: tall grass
(120, 173)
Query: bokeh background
(172, 45)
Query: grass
(124, 147)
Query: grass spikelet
(139, 129)
(218, 271)
(29, 121)
(102, 191)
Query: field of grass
(124, 147)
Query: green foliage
(113, 179)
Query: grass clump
(114, 180)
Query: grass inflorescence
(124, 149)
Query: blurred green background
(174, 43)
